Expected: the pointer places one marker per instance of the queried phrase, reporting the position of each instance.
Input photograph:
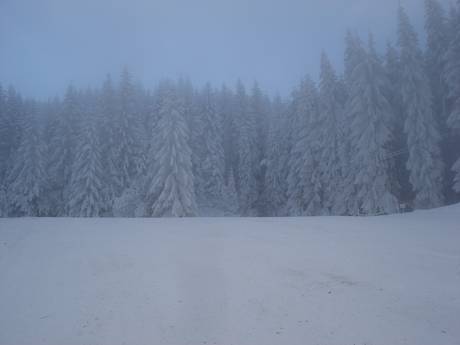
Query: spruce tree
(11, 113)
(258, 112)
(26, 178)
(107, 107)
(4, 145)
(423, 137)
(453, 80)
(246, 179)
(330, 133)
(304, 178)
(62, 153)
(226, 110)
(277, 159)
(399, 145)
(437, 43)
(128, 134)
(371, 118)
(86, 194)
(212, 157)
(345, 203)
(169, 184)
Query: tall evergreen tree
(212, 162)
(127, 133)
(26, 178)
(305, 192)
(371, 118)
(107, 107)
(277, 159)
(86, 193)
(399, 145)
(437, 43)
(453, 80)
(258, 113)
(226, 110)
(423, 137)
(169, 186)
(330, 132)
(3, 153)
(10, 128)
(62, 153)
(345, 203)
(246, 179)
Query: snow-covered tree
(453, 80)
(4, 145)
(62, 152)
(169, 184)
(399, 144)
(277, 159)
(423, 137)
(211, 157)
(329, 132)
(3, 153)
(11, 117)
(246, 179)
(345, 200)
(371, 117)
(437, 43)
(107, 108)
(26, 178)
(86, 193)
(226, 110)
(304, 178)
(258, 109)
(128, 134)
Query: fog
(47, 44)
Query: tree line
(382, 137)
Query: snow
(232, 281)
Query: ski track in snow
(232, 281)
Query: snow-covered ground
(300, 281)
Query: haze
(47, 44)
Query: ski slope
(230, 281)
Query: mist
(47, 44)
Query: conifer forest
(382, 137)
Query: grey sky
(45, 44)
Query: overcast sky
(46, 44)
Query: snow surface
(232, 281)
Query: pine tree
(277, 159)
(453, 80)
(226, 110)
(169, 187)
(86, 193)
(423, 137)
(112, 182)
(51, 112)
(3, 137)
(371, 118)
(62, 153)
(246, 179)
(212, 156)
(4, 145)
(399, 144)
(329, 133)
(437, 43)
(304, 179)
(346, 200)
(26, 178)
(258, 113)
(11, 113)
(128, 134)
